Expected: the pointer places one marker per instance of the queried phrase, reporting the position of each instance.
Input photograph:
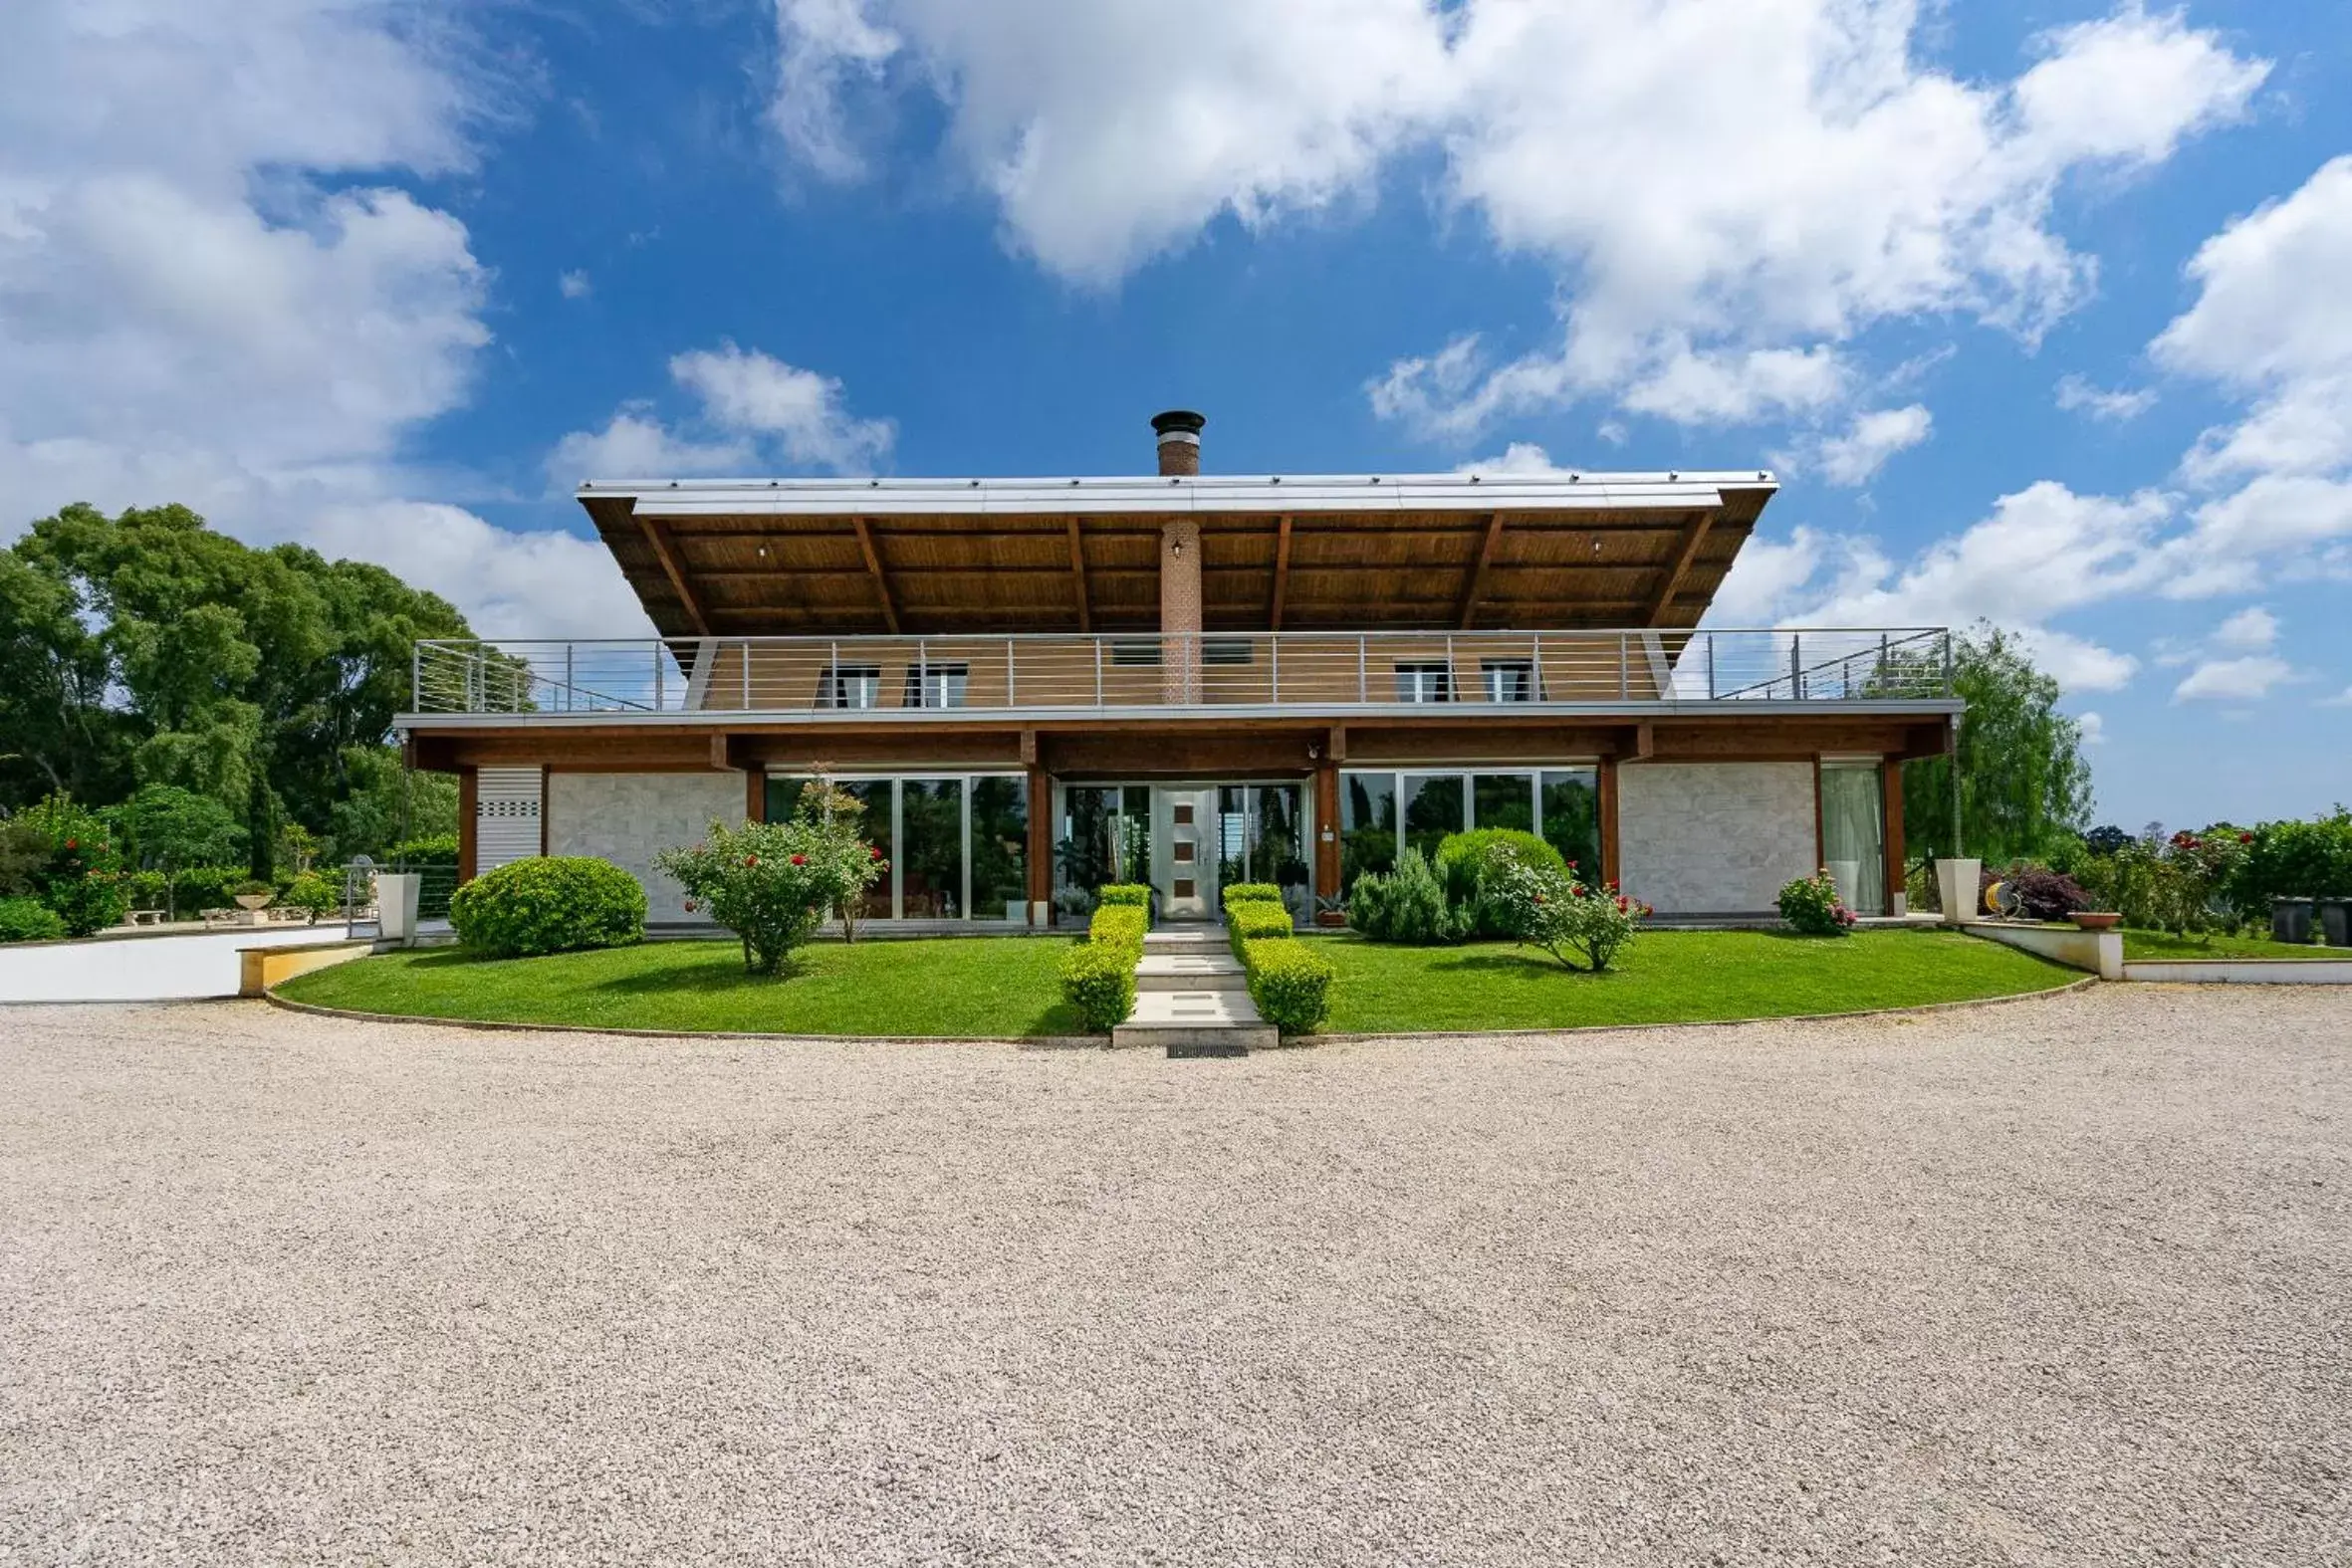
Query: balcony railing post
(1536, 667)
(570, 676)
(1098, 672)
(746, 652)
(1796, 668)
(1012, 693)
(1363, 687)
(1274, 665)
(1624, 669)
(1711, 667)
(832, 683)
(416, 677)
(657, 705)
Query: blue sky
(2038, 307)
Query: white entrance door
(1184, 840)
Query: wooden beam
(1477, 570)
(1645, 740)
(1338, 744)
(874, 567)
(1890, 785)
(1327, 863)
(1028, 747)
(469, 807)
(1040, 841)
(1694, 535)
(1612, 867)
(1077, 576)
(755, 795)
(1281, 570)
(665, 550)
(719, 760)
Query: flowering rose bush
(771, 884)
(1562, 915)
(1813, 907)
(839, 855)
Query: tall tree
(146, 648)
(2024, 783)
(168, 829)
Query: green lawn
(967, 988)
(2215, 945)
(1671, 977)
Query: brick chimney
(1179, 431)
(1180, 561)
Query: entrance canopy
(839, 558)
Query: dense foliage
(1469, 865)
(1134, 894)
(2024, 787)
(1813, 908)
(844, 862)
(548, 904)
(1407, 904)
(1564, 916)
(29, 920)
(146, 649)
(771, 884)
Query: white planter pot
(1956, 885)
(395, 903)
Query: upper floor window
(1228, 650)
(1508, 680)
(849, 686)
(1143, 652)
(1424, 681)
(936, 685)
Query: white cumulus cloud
(754, 410)
(2247, 679)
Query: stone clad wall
(626, 818)
(1715, 838)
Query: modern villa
(1037, 686)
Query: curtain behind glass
(1853, 835)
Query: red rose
(1621, 903)
(874, 853)
(799, 860)
(751, 861)
(1571, 865)
(691, 906)
(2246, 838)
(1538, 898)
(73, 843)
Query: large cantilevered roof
(842, 557)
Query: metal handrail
(1182, 671)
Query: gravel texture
(2060, 1282)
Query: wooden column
(1326, 829)
(1610, 868)
(1890, 786)
(1041, 839)
(469, 806)
(755, 795)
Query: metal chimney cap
(1178, 421)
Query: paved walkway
(2061, 1282)
(142, 968)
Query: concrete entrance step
(1180, 968)
(1185, 937)
(1195, 1023)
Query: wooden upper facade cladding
(839, 558)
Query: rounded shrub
(548, 904)
(1134, 894)
(1812, 908)
(1118, 926)
(1466, 865)
(1252, 893)
(1250, 922)
(29, 920)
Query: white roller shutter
(507, 805)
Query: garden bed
(970, 987)
(1671, 977)
(2163, 945)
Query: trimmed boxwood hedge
(548, 904)
(1098, 974)
(1290, 982)
(1252, 893)
(1124, 893)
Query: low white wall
(627, 817)
(1715, 838)
(2100, 952)
(2242, 972)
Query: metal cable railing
(1148, 670)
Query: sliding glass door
(1561, 805)
(1853, 833)
(957, 845)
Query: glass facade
(958, 845)
(1560, 804)
(1367, 824)
(1853, 834)
(1105, 835)
(1433, 810)
(1262, 838)
(1570, 801)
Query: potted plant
(253, 898)
(2096, 920)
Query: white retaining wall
(626, 818)
(2242, 972)
(1715, 838)
(2100, 952)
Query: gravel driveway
(2059, 1281)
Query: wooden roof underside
(844, 576)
